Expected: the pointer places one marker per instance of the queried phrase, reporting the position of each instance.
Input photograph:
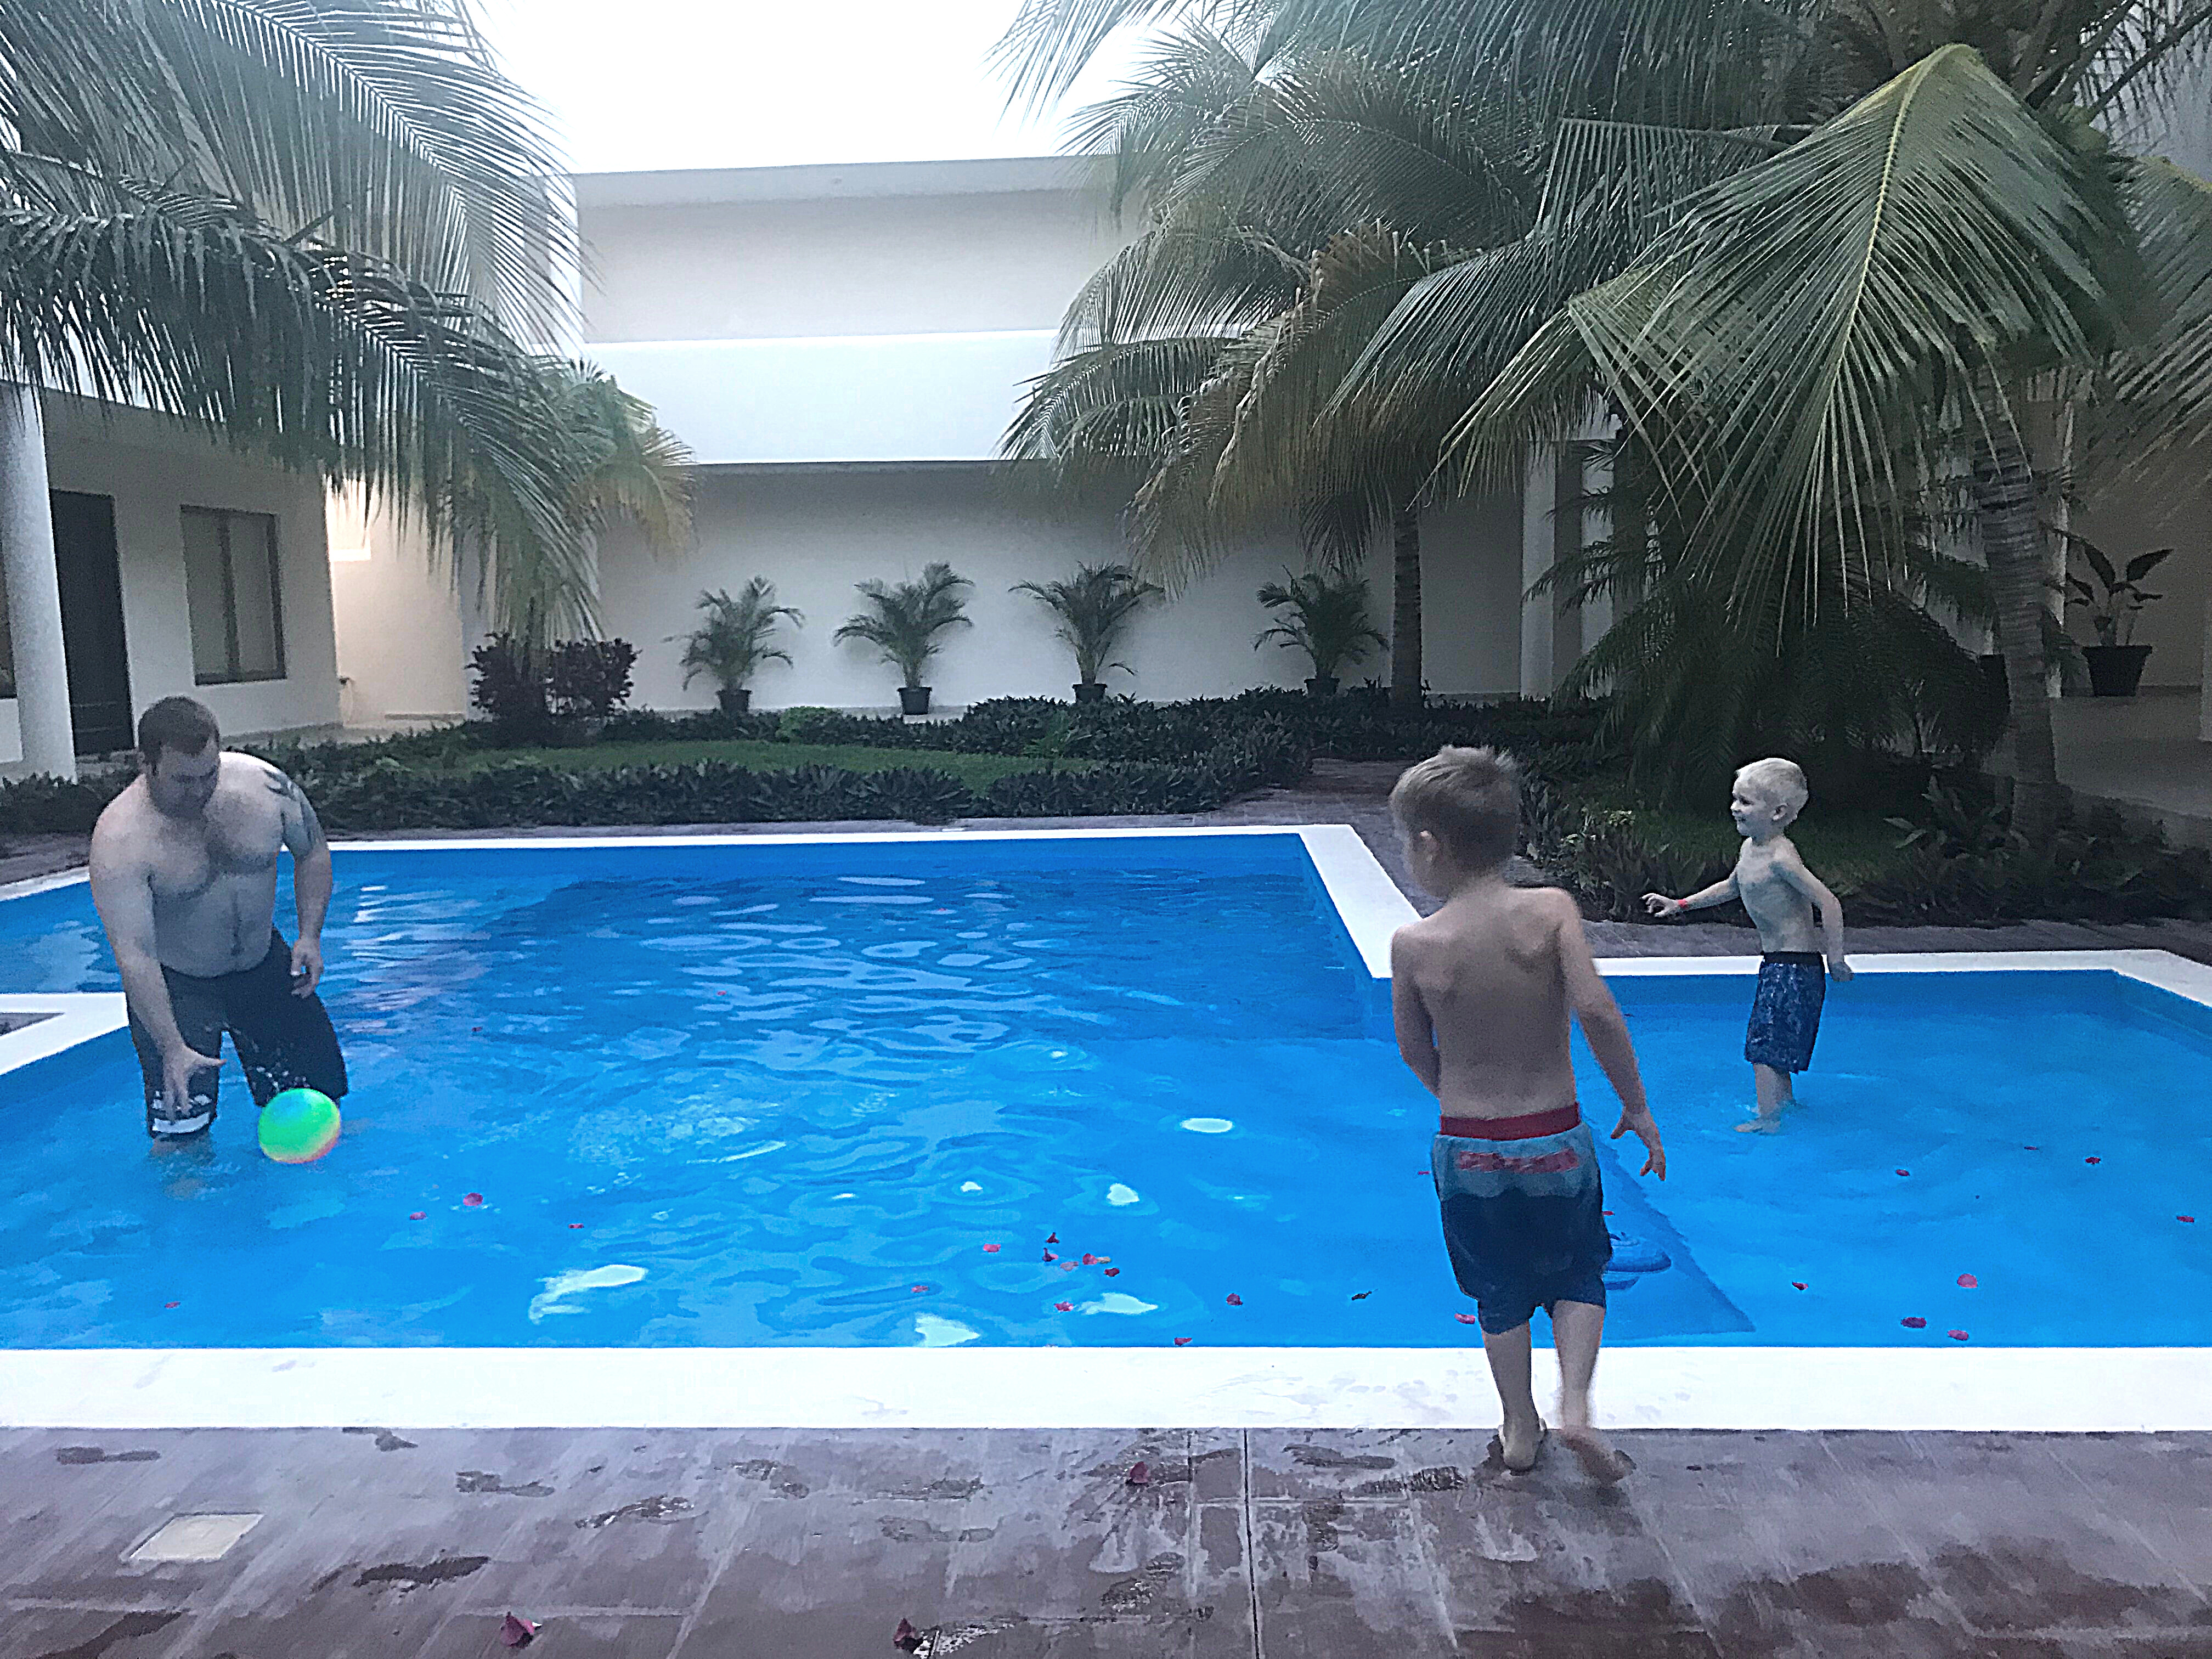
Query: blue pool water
(788, 1095)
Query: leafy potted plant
(732, 642)
(1326, 619)
(1093, 608)
(2116, 661)
(902, 621)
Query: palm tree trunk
(1405, 608)
(2012, 543)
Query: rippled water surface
(765, 1095)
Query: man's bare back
(212, 878)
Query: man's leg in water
(1576, 1329)
(1522, 1430)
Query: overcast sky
(720, 83)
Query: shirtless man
(1801, 932)
(1482, 994)
(184, 873)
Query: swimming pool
(1088, 1092)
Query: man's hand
(1840, 969)
(178, 1067)
(1660, 905)
(306, 966)
(1647, 1131)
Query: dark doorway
(92, 622)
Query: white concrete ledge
(2034, 1389)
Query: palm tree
(904, 620)
(1093, 608)
(1325, 616)
(1929, 223)
(324, 230)
(1290, 205)
(733, 642)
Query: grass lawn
(1843, 846)
(976, 771)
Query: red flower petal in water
(1467, 1319)
(474, 1201)
(1067, 1267)
(1968, 1282)
(1183, 1342)
(1913, 1324)
(415, 1215)
(906, 1637)
(1420, 1172)
(1797, 1283)
(515, 1632)
(2093, 1160)
(2189, 1219)
(2031, 1149)
(575, 1226)
(1113, 1272)
(1235, 1300)
(1051, 1238)
(1139, 1475)
(1904, 1172)
(1361, 1296)
(918, 1290)
(1089, 1260)
(1049, 1256)
(1063, 1307)
(1957, 1336)
(173, 1304)
(990, 1249)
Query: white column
(1597, 524)
(1538, 484)
(34, 597)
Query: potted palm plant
(1093, 608)
(733, 640)
(902, 621)
(2116, 661)
(1326, 619)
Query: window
(231, 593)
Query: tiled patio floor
(995, 1544)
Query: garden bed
(1035, 758)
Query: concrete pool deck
(372, 1543)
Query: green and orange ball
(298, 1125)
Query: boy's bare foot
(1519, 1442)
(1599, 1460)
(1760, 1125)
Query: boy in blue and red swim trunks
(1801, 932)
(1481, 993)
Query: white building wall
(816, 532)
(154, 469)
(402, 648)
(985, 246)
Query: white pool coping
(1965, 1388)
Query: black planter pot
(2115, 671)
(914, 700)
(735, 699)
(1321, 685)
(1090, 691)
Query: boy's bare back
(1494, 975)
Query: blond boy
(1482, 992)
(1801, 932)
